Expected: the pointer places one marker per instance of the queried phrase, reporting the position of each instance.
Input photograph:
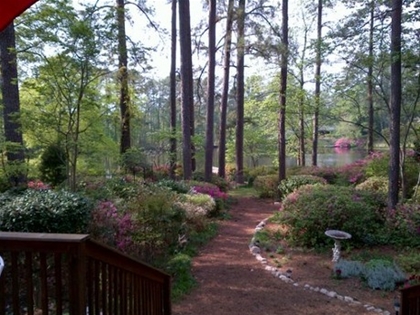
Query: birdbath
(337, 236)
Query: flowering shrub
(411, 281)
(112, 227)
(403, 225)
(293, 182)
(37, 185)
(312, 209)
(375, 183)
(220, 197)
(266, 186)
(343, 143)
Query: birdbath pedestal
(337, 236)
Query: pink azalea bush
(38, 185)
(112, 227)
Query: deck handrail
(410, 300)
(73, 274)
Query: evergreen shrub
(266, 186)
(375, 183)
(291, 183)
(311, 210)
(45, 211)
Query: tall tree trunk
(187, 86)
(240, 93)
(394, 162)
(315, 122)
(283, 89)
(11, 105)
(210, 92)
(123, 78)
(302, 155)
(225, 91)
(370, 80)
(173, 144)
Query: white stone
(323, 291)
(348, 299)
(296, 284)
(332, 294)
(307, 286)
(316, 289)
(340, 297)
(255, 250)
(386, 313)
(370, 308)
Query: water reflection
(332, 157)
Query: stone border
(255, 250)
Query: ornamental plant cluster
(149, 220)
(378, 274)
(350, 198)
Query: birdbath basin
(337, 236)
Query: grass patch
(179, 267)
(243, 191)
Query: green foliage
(291, 183)
(135, 162)
(378, 274)
(403, 225)
(260, 171)
(158, 221)
(178, 186)
(266, 186)
(202, 201)
(53, 165)
(409, 261)
(45, 211)
(179, 267)
(311, 210)
(215, 180)
(375, 183)
(382, 275)
(348, 268)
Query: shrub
(266, 186)
(375, 183)
(53, 165)
(311, 210)
(177, 186)
(293, 182)
(260, 171)
(215, 180)
(403, 225)
(220, 197)
(379, 274)
(204, 203)
(45, 211)
(382, 275)
(158, 220)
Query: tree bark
(208, 167)
(370, 80)
(172, 141)
(11, 104)
(225, 91)
(283, 89)
(123, 79)
(315, 122)
(240, 93)
(187, 87)
(394, 162)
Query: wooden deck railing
(410, 300)
(68, 274)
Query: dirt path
(231, 281)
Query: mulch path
(231, 281)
